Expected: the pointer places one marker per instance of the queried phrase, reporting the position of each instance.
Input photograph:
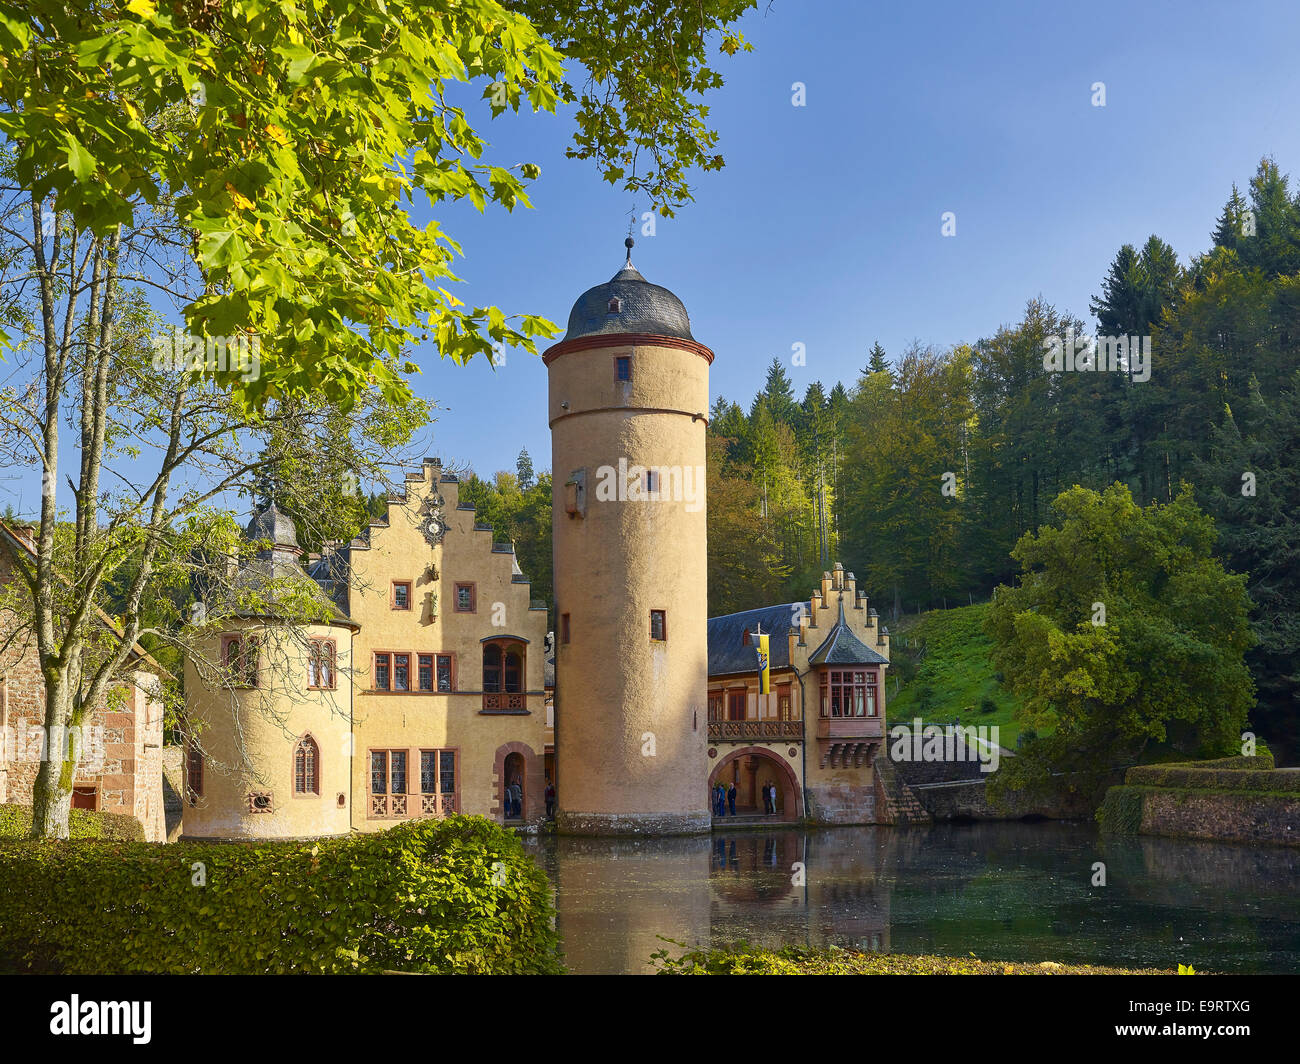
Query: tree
(253, 166)
(1251, 481)
(1123, 631)
(876, 361)
(524, 469)
(746, 569)
(289, 141)
(778, 395)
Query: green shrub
(1120, 812)
(16, 823)
(987, 705)
(1211, 779)
(455, 896)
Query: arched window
(504, 672)
(306, 767)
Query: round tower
(268, 701)
(628, 409)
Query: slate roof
(643, 308)
(727, 652)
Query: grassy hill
(942, 658)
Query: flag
(764, 667)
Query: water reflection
(1000, 891)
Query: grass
(955, 677)
(741, 959)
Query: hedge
(16, 823)
(457, 895)
(1225, 779)
(742, 959)
(1120, 812)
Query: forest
(923, 473)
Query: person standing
(550, 800)
(731, 799)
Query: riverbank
(832, 961)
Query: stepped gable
(842, 647)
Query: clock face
(432, 525)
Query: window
(438, 782)
(503, 675)
(437, 771)
(783, 702)
(425, 665)
(616, 305)
(320, 664)
(464, 598)
(193, 772)
(564, 628)
(492, 668)
(444, 672)
(401, 595)
(401, 672)
(623, 368)
(735, 705)
(239, 656)
(716, 707)
(658, 625)
(652, 481)
(383, 671)
(849, 694)
(306, 767)
(387, 771)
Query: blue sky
(825, 227)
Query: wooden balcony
(406, 806)
(783, 730)
(850, 728)
(497, 702)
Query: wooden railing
(756, 729)
(405, 806)
(850, 728)
(504, 701)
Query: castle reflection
(1006, 891)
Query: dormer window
(615, 305)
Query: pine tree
(1231, 226)
(876, 361)
(778, 394)
(524, 469)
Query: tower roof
(627, 303)
(843, 647)
(270, 524)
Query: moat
(1002, 891)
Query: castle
(427, 685)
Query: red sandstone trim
(586, 343)
(787, 775)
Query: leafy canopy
(1167, 663)
(292, 138)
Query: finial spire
(629, 243)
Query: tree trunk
(52, 793)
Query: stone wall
(1229, 816)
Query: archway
(514, 782)
(750, 768)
